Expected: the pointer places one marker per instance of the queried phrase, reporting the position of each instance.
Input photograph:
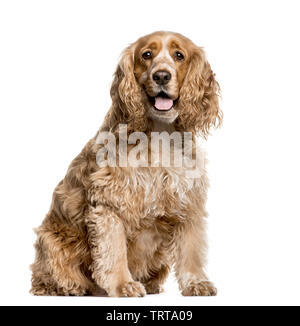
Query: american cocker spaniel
(120, 228)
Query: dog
(120, 229)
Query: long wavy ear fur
(127, 102)
(199, 97)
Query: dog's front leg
(107, 241)
(190, 251)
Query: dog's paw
(131, 289)
(153, 288)
(204, 288)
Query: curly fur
(126, 96)
(199, 97)
(121, 229)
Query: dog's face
(161, 61)
(164, 76)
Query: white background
(56, 64)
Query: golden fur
(122, 229)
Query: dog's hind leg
(149, 259)
(154, 284)
(58, 266)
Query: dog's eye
(147, 55)
(179, 56)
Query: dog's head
(164, 76)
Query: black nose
(161, 77)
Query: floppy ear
(199, 103)
(126, 94)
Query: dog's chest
(147, 192)
(153, 192)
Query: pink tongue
(162, 103)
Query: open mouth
(162, 102)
